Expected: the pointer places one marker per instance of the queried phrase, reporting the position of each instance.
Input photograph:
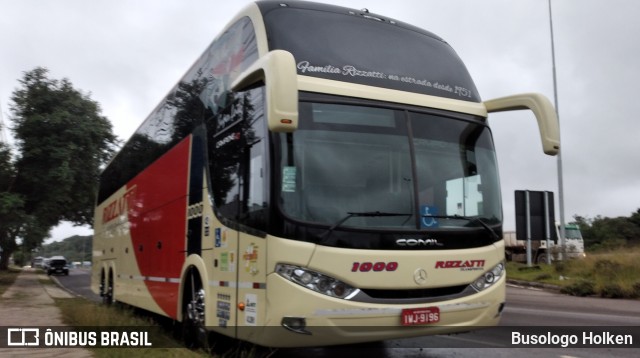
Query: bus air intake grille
(412, 296)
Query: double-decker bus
(320, 175)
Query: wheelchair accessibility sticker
(428, 220)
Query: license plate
(415, 316)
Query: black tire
(107, 294)
(508, 255)
(194, 331)
(542, 258)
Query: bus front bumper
(298, 317)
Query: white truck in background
(516, 248)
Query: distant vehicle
(37, 262)
(515, 248)
(58, 265)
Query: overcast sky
(128, 54)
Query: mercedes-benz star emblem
(420, 276)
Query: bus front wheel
(194, 331)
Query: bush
(543, 276)
(607, 268)
(580, 288)
(612, 290)
(560, 266)
(612, 274)
(529, 269)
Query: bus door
(239, 185)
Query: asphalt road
(526, 308)
(79, 283)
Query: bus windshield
(382, 168)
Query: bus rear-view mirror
(278, 71)
(542, 109)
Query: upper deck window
(347, 46)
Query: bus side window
(238, 153)
(254, 208)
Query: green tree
(610, 233)
(74, 248)
(11, 204)
(62, 143)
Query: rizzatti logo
(468, 265)
(119, 207)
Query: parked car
(58, 265)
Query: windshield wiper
(359, 214)
(469, 219)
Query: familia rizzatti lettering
(347, 70)
(305, 67)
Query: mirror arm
(542, 109)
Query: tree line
(603, 233)
(74, 249)
(62, 142)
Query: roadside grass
(7, 278)
(612, 274)
(46, 280)
(83, 314)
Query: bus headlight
(489, 278)
(316, 281)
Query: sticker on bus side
(289, 179)
(250, 258)
(220, 237)
(251, 310)
(227, 261)
(429, 221)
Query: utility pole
(560, 179)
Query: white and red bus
(321, 175)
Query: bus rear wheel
(107, 289)
(194, 331)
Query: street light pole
(560, 179)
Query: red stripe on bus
(157, 222)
